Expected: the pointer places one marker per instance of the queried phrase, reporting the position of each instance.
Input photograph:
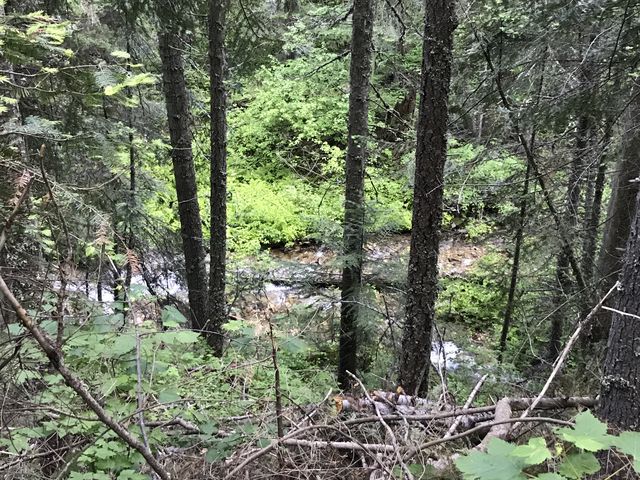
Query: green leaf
(629, 444)
(168, 396)
(589, 433)
(139, 79)
(293, 345)
(123, 344)
(496, 464)
(234, 325)
(264, 442)
(172, 317)
(208, 428)
(549, 476)
(215, 454)
(186, 336)
(534, 452)
(579, 464)
(120, 54)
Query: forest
(317, 239)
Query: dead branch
(565, 352)
(280, 441)
(74, 382)
(420, 414)
(371, 447)
(392, 436)
(467, 404)
(498, 430)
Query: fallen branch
(385, 448)
(364, 447)
(499, 429)
(392, 436)
(515, 403)
(71, 379)
(467, 404)
(282, 441)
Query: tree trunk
(620, 390)
(592, 218)
(218, 247)
(508, 312)
(431, 153)
(563, 269)
(620, 212)
(359, 75)
(177, 103)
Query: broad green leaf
(234, 325)
(534, 452)
(549, 476)
(172, 317)
(168, 396)
(215, 454)
(186, 336)
(264, 442)
(629, 444)
(293, 345)
(496, 464)
(589, 433)
(208, 428)
(15, 328)
(579, 464)
(123, 344)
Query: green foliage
(589, 433)
(497, 463)
(478, 185)
(629, 444)
(504, 460)
(477, 299)
(577, 465)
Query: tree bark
(620, 212)
(218, 247)
(592, 217)
(515, 267)
(177, 103)
(620, 390)
(431, 153)
(353, 237)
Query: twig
(392, 436)
(327, 63)
(278, 392)
(280, 441)
(69, 254)
(371, 447)
(72, 380)
(515, 403)
(620, 312)
(563, 355)
(467, 404)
